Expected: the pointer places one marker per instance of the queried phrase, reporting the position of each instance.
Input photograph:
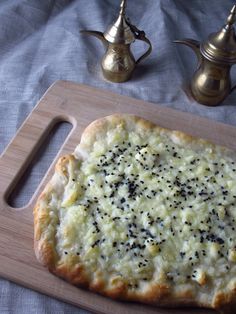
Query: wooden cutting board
(80, 105)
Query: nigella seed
(182, 254)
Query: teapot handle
(140, 35)
(232, 89)
(147, 53)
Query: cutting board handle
(21, 150)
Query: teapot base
(208, 99)
(116, 77)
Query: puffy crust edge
(158, 294)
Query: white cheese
(144, 206)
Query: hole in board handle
(38, 165)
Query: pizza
(142, 213)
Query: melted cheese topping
(146, 206)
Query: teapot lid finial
(120, 32)
(122, 7)
(221, 46)
(232, 17)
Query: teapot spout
(194, 44)
(97, 34)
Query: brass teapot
(118, 63)
(211, 83)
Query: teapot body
(211, 82)
(118, 63)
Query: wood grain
(80, 105)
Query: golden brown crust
(73, 270)
(75, 275)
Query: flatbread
(142, 213)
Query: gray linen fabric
(40, 43)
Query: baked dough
(142, 213)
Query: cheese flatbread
(142, 213)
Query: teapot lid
(221, 46)
(120, 32)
